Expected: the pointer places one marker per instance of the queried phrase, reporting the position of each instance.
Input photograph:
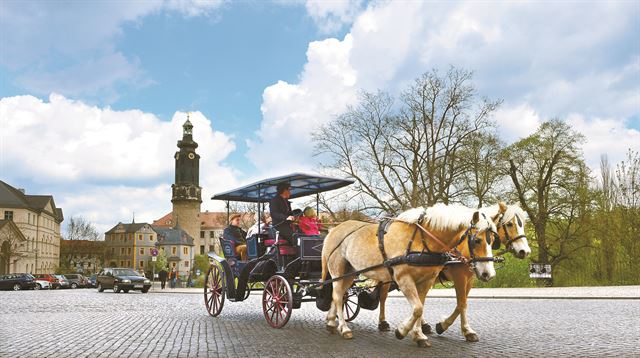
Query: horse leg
(456, 274)
(418, 331)
(408, 287)
(383, 325)
(339, 288)
(332, 325)
(469, 334)
(426, 327)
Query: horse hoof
(471, 337)
(384, 326)
(332, 329)
(426, 328)
(424, 343)
(398, 334)
(347, 335)
(439, 328)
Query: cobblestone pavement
(85, 323)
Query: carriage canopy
(301, 185)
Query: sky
(93, 94)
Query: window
(122, 251)
(151, 237)
(121, 263)
(186, 264)
(202, 234)
(174, 250)
(128, 263)
(201, 249)
(131, 237)
(8, 215)
(113, 251)
(185, 250)
(139, 237)
(141, 264)
(173, 264)
(150, 249)
(141, 251)
(211, 235)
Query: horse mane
(511, 212)
(441, 217)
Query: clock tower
(186, 191)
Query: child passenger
(308, 223)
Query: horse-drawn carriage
(286, 272)
(408, 252)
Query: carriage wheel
(214, 290)
(277, 301)
(350, 305)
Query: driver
(280, 210)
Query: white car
(42, 284)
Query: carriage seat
(228, 247)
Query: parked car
(91, 280)
(42, 284)
(53, 280)
(64, 283)
(76, 280)
(17, 282)
(122, 279)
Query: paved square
(83, 322)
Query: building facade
(178, 246)
(130, 245)
(212, 225)
(39, 221)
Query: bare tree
(80, 228)
(410, 156)
(481, 177)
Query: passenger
(280, 210)
(262, 227)
(234, 233)
(308, 223)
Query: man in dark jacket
(280, 210)
(163, 278)
(234, 233)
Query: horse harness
(509, 240)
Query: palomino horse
(510, 223)
(354, 246)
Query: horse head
(510, 223)
(477, 242)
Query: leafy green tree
(550, 180)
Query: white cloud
(79, 151)
(332, 15)
(562, 69)
(292, 112)
(71, 49)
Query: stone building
(211, 226)
(178, 246)
(39, 221)
(130, 245)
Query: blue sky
(92, 94)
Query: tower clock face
(191, 156)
